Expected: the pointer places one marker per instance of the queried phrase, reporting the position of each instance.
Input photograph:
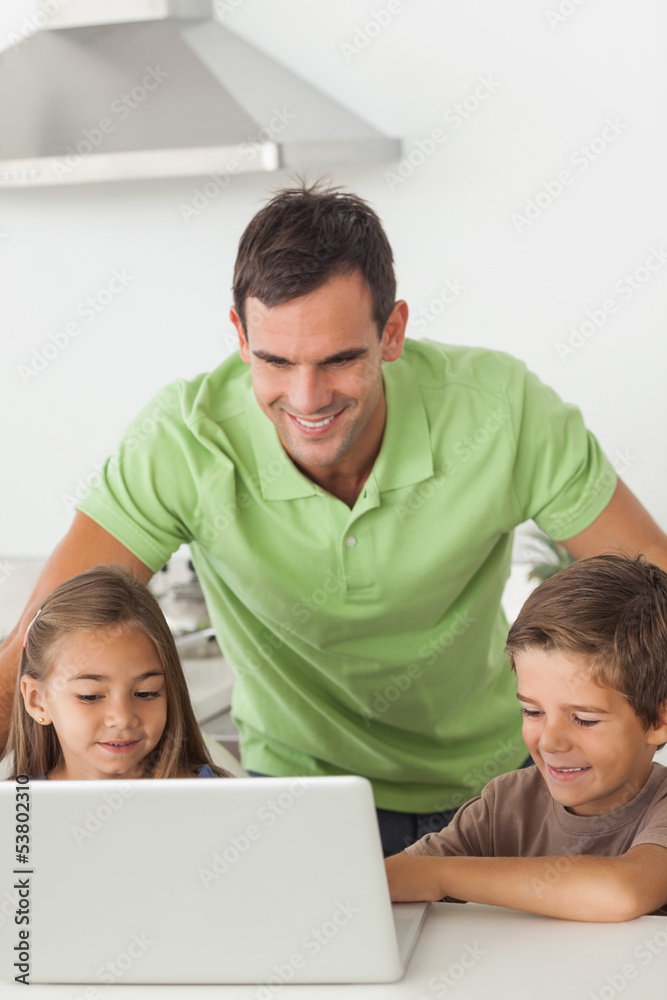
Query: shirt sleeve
(466, 835)
(561, 477)
(146, 488)
(653, 829)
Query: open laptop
(261, 880)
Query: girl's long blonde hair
(108, 600)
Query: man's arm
(573, 887)
(624, 525)
(85, 545)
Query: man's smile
(314, 427)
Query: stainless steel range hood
(123, 89)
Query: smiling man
(328, 408)
(349, 498)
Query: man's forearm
(573, 887)
(10, 656)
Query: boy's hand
(413, 878)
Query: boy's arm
(574, 887)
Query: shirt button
(350, 542)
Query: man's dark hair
(610, 612)
(303, 237)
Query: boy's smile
(588, 743)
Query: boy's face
(591, 748)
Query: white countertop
(468, 952)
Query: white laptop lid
(196, 881)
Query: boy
(583, 835)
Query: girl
(100, 691)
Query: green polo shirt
(365, 641)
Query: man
(349, 500)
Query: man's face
(590, 747)
(316, 369)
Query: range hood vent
(127, 89)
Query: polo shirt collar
(404, 458)
(279, 478)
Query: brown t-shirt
(515, 816)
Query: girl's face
(106, 698)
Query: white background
(554, 86)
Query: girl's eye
(148, 695)
(89, 698)
(529, 713)
(585, 722)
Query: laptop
(261, 880)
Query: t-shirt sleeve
(561, 477)
(146, 489)
(467, 834)
(653, 829)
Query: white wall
(554, 86)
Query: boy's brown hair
(303, 237)
(610, 612)
(107, 601)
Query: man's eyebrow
(348, 355)
(577, 708)
(105, 677)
